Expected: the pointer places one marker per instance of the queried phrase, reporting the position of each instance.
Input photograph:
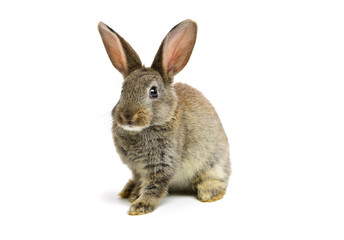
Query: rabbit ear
(175, 50)
(121, 54)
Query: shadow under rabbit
(113, 197)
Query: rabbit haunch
(173, 139)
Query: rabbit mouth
(133, 128)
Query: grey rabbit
(169, 135)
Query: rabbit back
(205, 149)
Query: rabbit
(169, 135)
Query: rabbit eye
(153, 92)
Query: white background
(273, 70)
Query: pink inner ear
(114, 49)
(178, 47)
(174, 49)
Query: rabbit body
(169, 135)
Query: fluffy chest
(147, 147)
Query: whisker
(107, 120)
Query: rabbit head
(147, 97)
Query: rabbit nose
(128, 117)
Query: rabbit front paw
(134, 195)
(128, 188)
(140, 207)
(131, 191)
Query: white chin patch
(132, 128)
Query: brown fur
(171, 142)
